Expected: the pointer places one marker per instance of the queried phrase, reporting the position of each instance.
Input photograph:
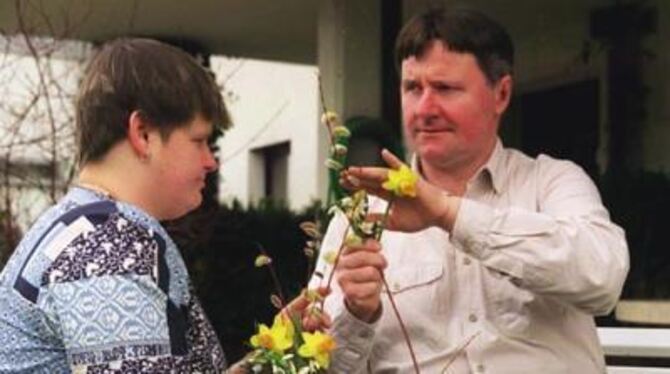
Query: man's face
(450, 112)
(180, 164)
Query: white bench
(636, 342)
(636, 370)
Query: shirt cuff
(471, 229)
(354, 339)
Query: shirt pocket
(417, 293)
(508, 305)
(406, 278)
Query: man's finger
(360, 259)
(369, 174)
(391, 160)
(369, 245)
(360, 291)
(368, 274)
(371, 188)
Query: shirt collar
(492, 170)
(83, 195)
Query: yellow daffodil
(318, 346)
(401, 182)
(278, 338)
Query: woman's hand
(303, 306)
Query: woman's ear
(138, 134)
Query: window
(269, 170)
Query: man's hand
(430, 207)
(359, 274)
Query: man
(97, 285)
(501, 261)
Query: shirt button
(480, 368)
(467, 261)
(472, 318)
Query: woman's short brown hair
(165, 84)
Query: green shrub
(220, 253)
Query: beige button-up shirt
(533, 256)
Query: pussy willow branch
(396, 311)
(337, 261)
(377, 238)
(273, 274)
(329, 126)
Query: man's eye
(411, 87)
(441, 87)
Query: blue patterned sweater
(97, 286)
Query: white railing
(636, 342)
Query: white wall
(271, 103)
(20, 82)
(27, 128)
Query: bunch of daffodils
(284, 348)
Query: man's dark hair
(461, 30)
(165, 84)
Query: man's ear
(139, 134)
(503, 93)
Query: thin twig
(459, 350)
(403, 328)
(273, 274)
(45, 88)
(329, 126)
(337, 261)
(314, 247)
(405, 334)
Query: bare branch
(36, 56)
(36, 111)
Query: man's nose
(426, 104)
